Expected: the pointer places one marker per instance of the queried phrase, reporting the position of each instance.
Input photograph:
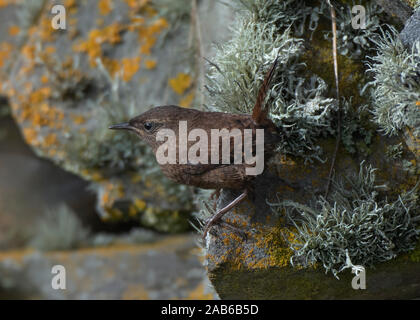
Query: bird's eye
(148, 126)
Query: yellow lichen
(31, 136)
(136, 5)
(50, 140)
(150, 64)
(78, 119)
(130, 66)
(105, 7)
(5, 3)
(5, 51)
(140, 204)
(148, 34)
(132, 211)
(97, 37)
(44, 79)
(180, 83)
(14, 30)
(199, 293)
(187, 100)
(46, 31)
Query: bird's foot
(218, 216)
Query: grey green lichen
(357, 218)
(298, 99)
(395, 151)
(395, 89)
(356, 42)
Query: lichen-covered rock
(115, 60)
(411, 32)
(165, 269)
(396, 279)
(289, 231)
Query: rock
(166, 269)
(26, 192)
(411, 32)
(114, 61)
(280, 241)
(252, 260)
(397, 9)
(398, 279)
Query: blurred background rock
(71, 191)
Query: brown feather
(260, 112)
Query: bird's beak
(121, 126)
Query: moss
(390, 280)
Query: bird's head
(147, 125)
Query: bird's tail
(260, 112)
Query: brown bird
(209, 174)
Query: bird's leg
(215, 219)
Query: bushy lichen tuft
(395, 90)
(297, 99)
(356, 42)
(360, 220)
(395, 151)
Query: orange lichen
(70, 3)
(46, 31)
(28, 51)
(14, 30)
(30, 135)
(136, 5)
(44, 79)
(130, 66)
(50, 140)
(40, 95)
(5, 51)
(105, 7)
(111, 192)
(199, 293)
(112, 65)
(187, 100)
(180, 83)
(150, 64)
(97, 37)
(49, 50)
(5, 3)
(78, 119)
(148, 33)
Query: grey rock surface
(411, 32)
(166, 269)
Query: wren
(209, 174)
